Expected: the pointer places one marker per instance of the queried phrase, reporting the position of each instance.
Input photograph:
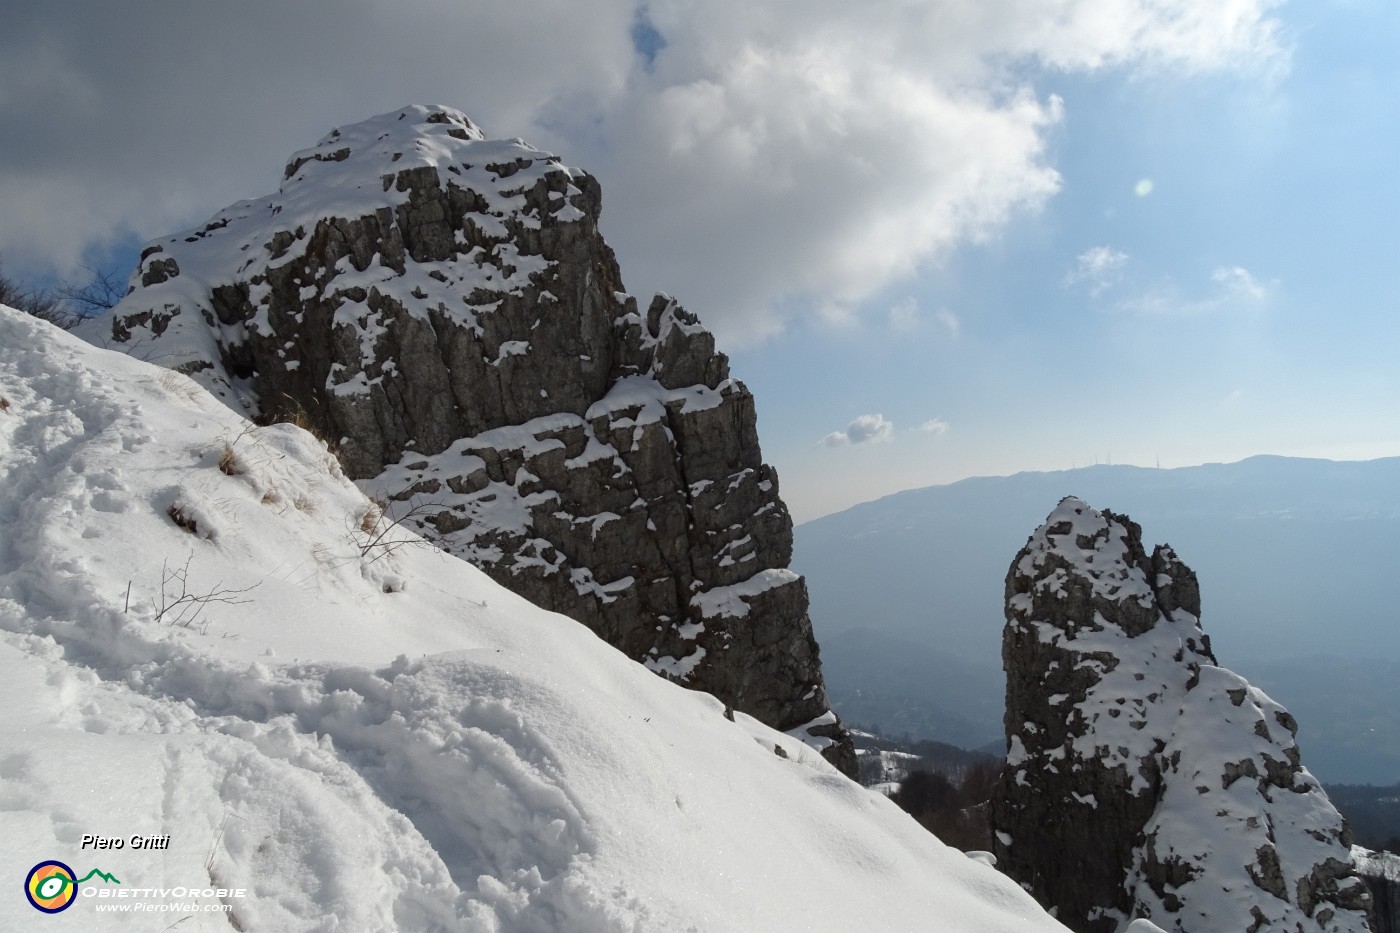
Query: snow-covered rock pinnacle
(1143, 781)
(442, 308)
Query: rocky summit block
(1143, 781)
(442, 308)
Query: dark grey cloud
(758, 160)
(147, 116)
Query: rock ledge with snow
(443, 308)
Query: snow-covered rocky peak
(1095, 561)
(211, 638)
(413, 207)
(1143, 781)
(443, 309)
(441, 137)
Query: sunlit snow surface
(376, 739)
(1377, 864)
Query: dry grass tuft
(299, 416)
(373, 515)
(228, 461)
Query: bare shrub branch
(40, 303)
(178, 607)
(102, 292)
(382, 533)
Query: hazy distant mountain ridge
(1142, 780)
(443, 308)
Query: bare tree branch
(179, 607)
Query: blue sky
(1249, 302)
(938, 239)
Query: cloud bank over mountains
(764, 162)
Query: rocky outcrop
(1143, 780)
(1381, 872)
(442, 308)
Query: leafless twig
(179, 607)
(378, 526)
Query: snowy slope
(366, 737)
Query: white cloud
(1100, 267)
(1238, 282)
(1143, 188)
(772, 159)
(1233, 289)
(113, 127)
(949, 320)
(934, 426)
(866, 429)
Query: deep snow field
(362, 733)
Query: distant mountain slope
(209, 636)
(1297, 558)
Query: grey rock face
(442, 308)
(1143, 780)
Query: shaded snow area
(207, 634)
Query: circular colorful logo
(51, 886)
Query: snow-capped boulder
(443, 309)
(1143, 781)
